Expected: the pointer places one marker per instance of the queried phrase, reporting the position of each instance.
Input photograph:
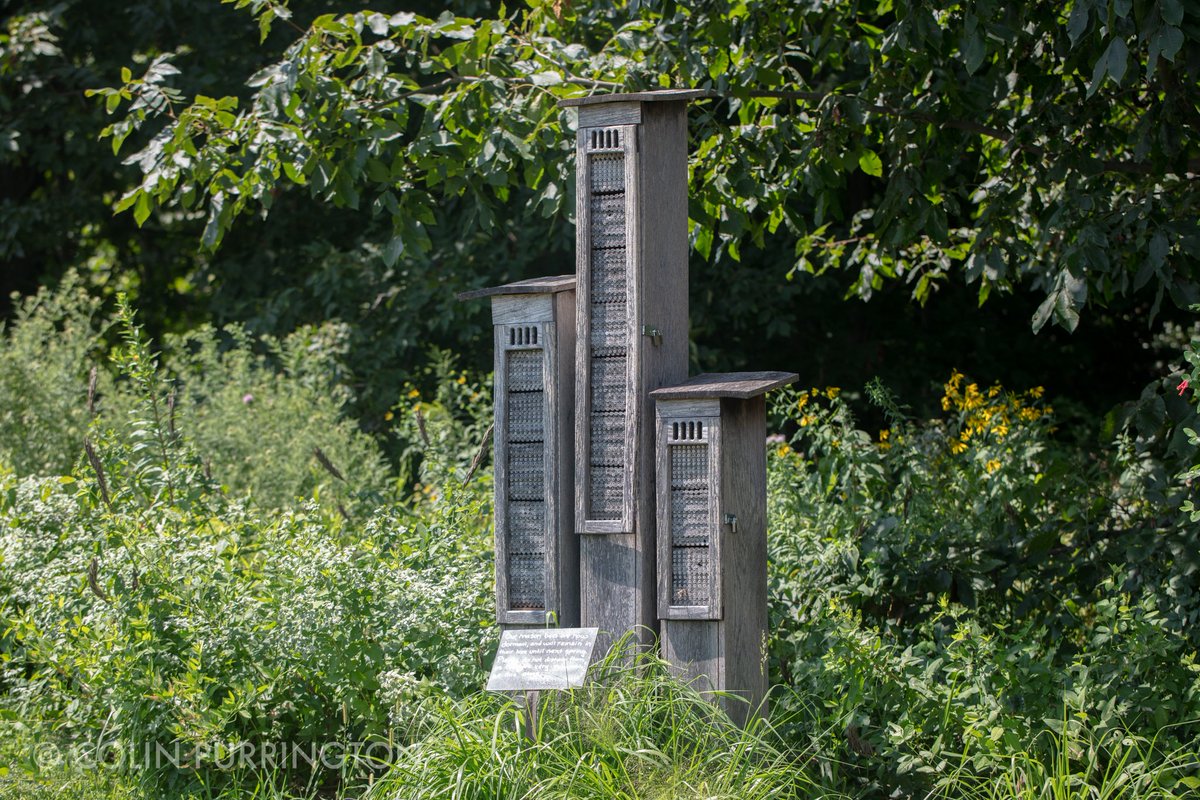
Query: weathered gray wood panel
(654, 96)
(565, 591)
(605, 392)
(688, 445)
(597, 116)
(739, 385)
(548, 285)
(744, 494)
(662, 305)
(739, 505)
(608, 587)
(631, 215)
(694, 651)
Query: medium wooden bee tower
(537, 552)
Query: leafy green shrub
(446, 434)
(46, 352)
(945, 587)
(269, 416)
(142, 603)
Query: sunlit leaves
(1001, 127)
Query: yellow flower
(782, 450)
(958, 447)
(802, 402)
(388, 416)
(832, 392)
(993, 465)
(462, 379)
(972, 399)
(1038, 391)
(884, 434)
(414, 393)
(995, 390)
(945, 404)
(1000, 430)
(807, 419)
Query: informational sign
(542, 658)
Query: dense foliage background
(244, 485)
(1034, 156)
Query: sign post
(532, 660)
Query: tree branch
(1107, 165)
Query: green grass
(1075, 764)
(633, 733)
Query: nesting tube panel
(537, 553)
(632, 313)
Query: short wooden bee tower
(537, 552)
(712, 534)
(632, 309)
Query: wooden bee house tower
(537, 553)
(632, 324)
(712, 532)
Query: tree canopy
(1008, 144)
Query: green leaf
(391, 253)
(547, 78)
(127, 201)
(141, 209)
(1166, 42)
(1078, 21)
(213, 229)
(972, 48)
(1171, 11)
(973, 52)
(719, 65)
(1118, 58)
(870, 163)
(1111, 63)
(1042, 315)
(1159, 247)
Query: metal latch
(654, 333)
(731, 521)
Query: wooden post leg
(531, 710)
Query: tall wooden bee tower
(632, 324)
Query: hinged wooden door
(689, 502)
(608, 340)
(524, 558)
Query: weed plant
(201, 550)
(956, 592)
